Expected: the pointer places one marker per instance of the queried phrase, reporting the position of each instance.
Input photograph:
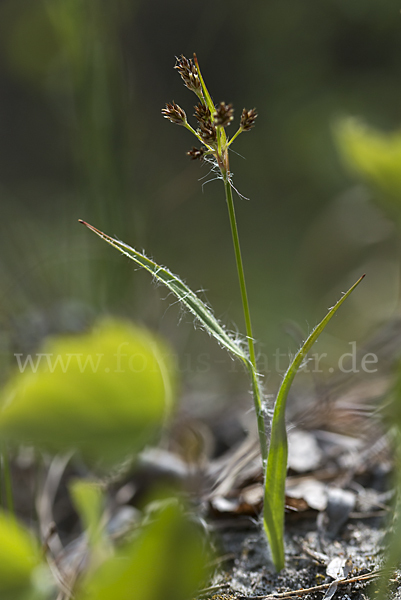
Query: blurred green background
(82, 86)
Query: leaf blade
(276, 467)
(198, 308)
(186, 296)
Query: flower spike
(212, 119)
(196, 153)
(189, 74)
(174, 113)
(224, 115)
(202, 113)
(248, 119)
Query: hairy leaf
(184, 294)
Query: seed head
(224, 114)
(248, 119)
(207, 132)
(202, 113)
(196, 153)
(189, 74)
(174, 113)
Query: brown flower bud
(196, 153)
(207, 131)
(224, 114)
(248, 119)
(174, 113)
(202, 113)
(189, 74)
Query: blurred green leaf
(165, 562)
(88, 500)
(375, 156)
(19, 556)
(29, 40)
(391, 413)
(104, 393)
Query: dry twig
(316, 588)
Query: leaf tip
(92, 228)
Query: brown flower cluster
(189, 74)
(202, 113)
(196, 153)
(248, 119)
(224, 114)
(212, 120)
(174, 113)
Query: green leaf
(198, 308)
(209, 103)
(391, 413)
(87, 497)
(184, 294)
(375, 156)
(105, 393)
(206, 95)
(276, 468)
(165, 562)
(19, 556)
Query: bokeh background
(82, 137)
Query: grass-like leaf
(276, 468)
(209, 103)
(201, 311)
(184, 294)
(206, 95)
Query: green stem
(234, 137)
(192, 130)
(247, 317)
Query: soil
(247, 571)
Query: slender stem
(240, 269)
(234, 137)
(247, 316)
(192, 130)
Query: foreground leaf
(19, 556)
(105, 393)
(391, 410)
(165, 562)
(276, 468)
(88, 500)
